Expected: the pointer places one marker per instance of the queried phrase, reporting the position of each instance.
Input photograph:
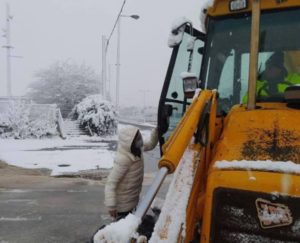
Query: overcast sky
(46, 31)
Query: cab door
(173, 103)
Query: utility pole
(118, 65)
(8, 50)
(104, 44)
(109, 82)
(118, 24)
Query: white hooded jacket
(124, 183)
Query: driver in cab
(274, 80)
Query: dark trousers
(122, 215)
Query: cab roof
(222, 7)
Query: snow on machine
(229, 126)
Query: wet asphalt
(61, 210)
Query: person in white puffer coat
(124, 183)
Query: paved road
(51, 214)
(36, 209)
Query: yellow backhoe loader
(232, 95)
(244, 190)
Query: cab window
(173, 104)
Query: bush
(16, 123)
(96, 114)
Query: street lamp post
(103, 74)
(118, 65)
(8, 47)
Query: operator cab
(220, 59)
(226, 59)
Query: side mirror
(168, 110)
(292, 96)
(190, 84)
(166, 113)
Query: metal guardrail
(60, 124)
(137, 124)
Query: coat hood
(126, 137)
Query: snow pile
(204, 6)
(62, 156)
(173, 213)
(178, 23)
(197, 93)
(59, 158)
(268, 165)
(17, 122)
(278, 217)
(177, 31)
(191, 43)
(96, 114)
(118, 232)
(296, 226)
(185, 75)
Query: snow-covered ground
(70, 155)
(61, 156)
(173, 211)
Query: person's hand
(113, 213)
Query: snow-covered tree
(17, 123)
(96, 114)
(64, 84)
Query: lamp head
(135, 16)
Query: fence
(37, 112)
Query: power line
(116, 22)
